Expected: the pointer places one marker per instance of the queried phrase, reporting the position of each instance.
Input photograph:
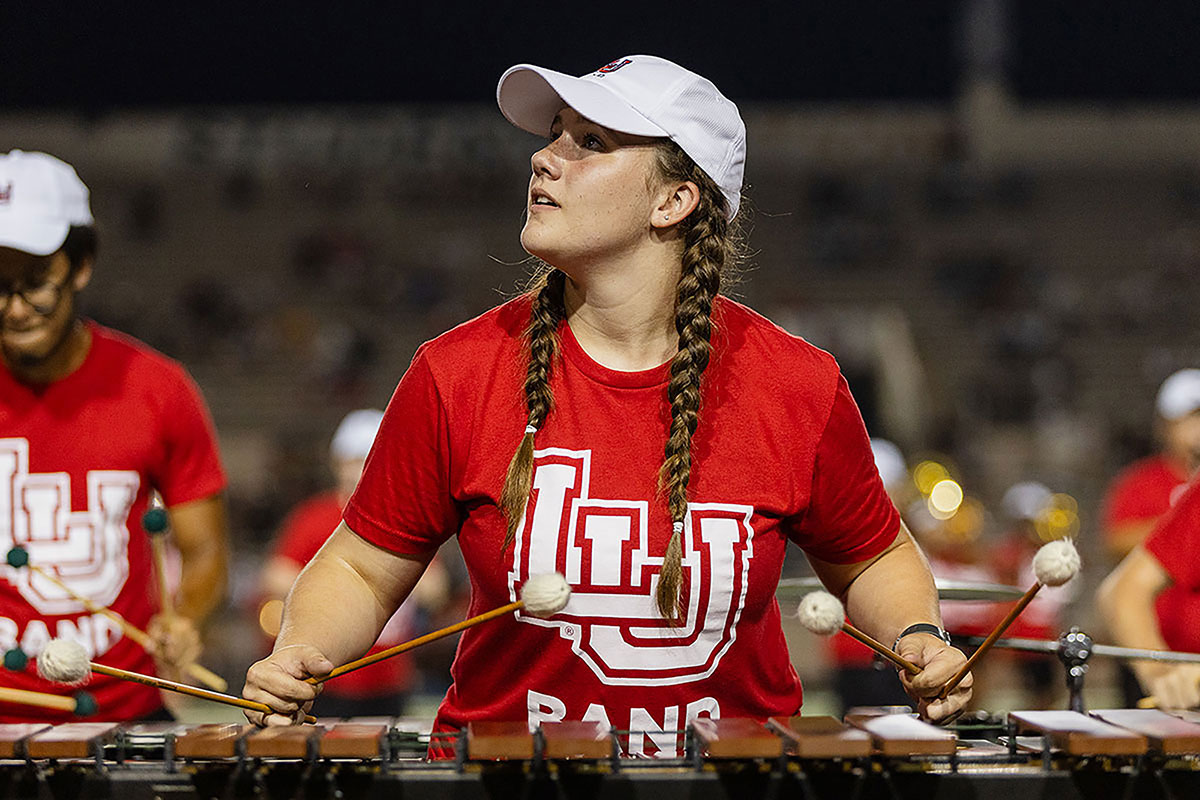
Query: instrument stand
(1074, 650)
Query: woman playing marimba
(674, 442)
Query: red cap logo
(613, 66)
(6, 194)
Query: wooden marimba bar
(1105, 754)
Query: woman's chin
(536, 245)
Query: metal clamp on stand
(1074, 650)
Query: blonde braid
(711, 246)
(542, 333)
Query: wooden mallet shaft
(999, 630)
(882, 649)
(40, 699)
(205, 676)
(155, 522)
(449, 630)
(183, 688)
(137, 634)
(158, 548)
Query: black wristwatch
(923, 627)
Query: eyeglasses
(43, 298)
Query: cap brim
(530, 97)
(37, 238)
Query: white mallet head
(1056, 562)
(545, 595)
(821, 613)
(64, 661)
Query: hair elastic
(677, 527)
(531, 429)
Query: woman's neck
(624, 317)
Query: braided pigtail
(542, 333)
(711, 246)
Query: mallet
(1054, 564)
(154, 522)
(18, 557)
(823, 614)
(81, 705)
(541, 595)
(65, 661)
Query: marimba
(1065, 754)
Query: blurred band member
(91, 423)
(1152, 601)
(381, 688)
(1145, 490)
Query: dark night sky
(102, 55)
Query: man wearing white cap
(92, 423)
(1146, 489)
(1151, 601)
(380, 688)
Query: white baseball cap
(642, 95)
(1179, 394)
(40, 199)
(355, 434)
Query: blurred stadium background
(989, 210)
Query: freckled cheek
(623, 199)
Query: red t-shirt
(301, 536)
(1142, 491)
(78, 460)
(1175, 542)
(781, 453)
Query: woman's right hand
(279, 682)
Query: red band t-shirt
(78, 460)
(1144, 490)
(1175, 542)
(780, 454)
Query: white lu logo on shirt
(601, 546)
(86, 550)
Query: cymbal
(792, 589)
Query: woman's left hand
(939, 662)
